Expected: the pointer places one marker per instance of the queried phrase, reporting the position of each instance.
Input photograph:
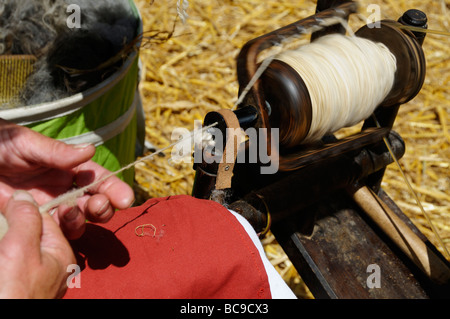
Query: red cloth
(197, 249)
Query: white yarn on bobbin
(347, 77)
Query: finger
(119, 193)
(95, 208)
(99, 209)
(48, 152)
(54, 243)
(55, 255)
(24, 225)
(51, 180)
(6, 192)
(43, 187)
(72, 221)
(63, 156)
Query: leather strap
(226, 165)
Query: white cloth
(278, 287)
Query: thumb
(38, 245)
(56, 256)
(42, 150)
(23, 223)
(48, 152)
(52, 153)
(33, 233)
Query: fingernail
(103, 209)
(23, 196)
(71, 215)
(81, 146)
(52, 211)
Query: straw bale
(194, 72)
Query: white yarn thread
(347, 77)
(70, 197)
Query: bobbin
(247, 66)
(281, 90)
(288, 97)
(411, 65)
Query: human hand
(34, 253)
(47, 168)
